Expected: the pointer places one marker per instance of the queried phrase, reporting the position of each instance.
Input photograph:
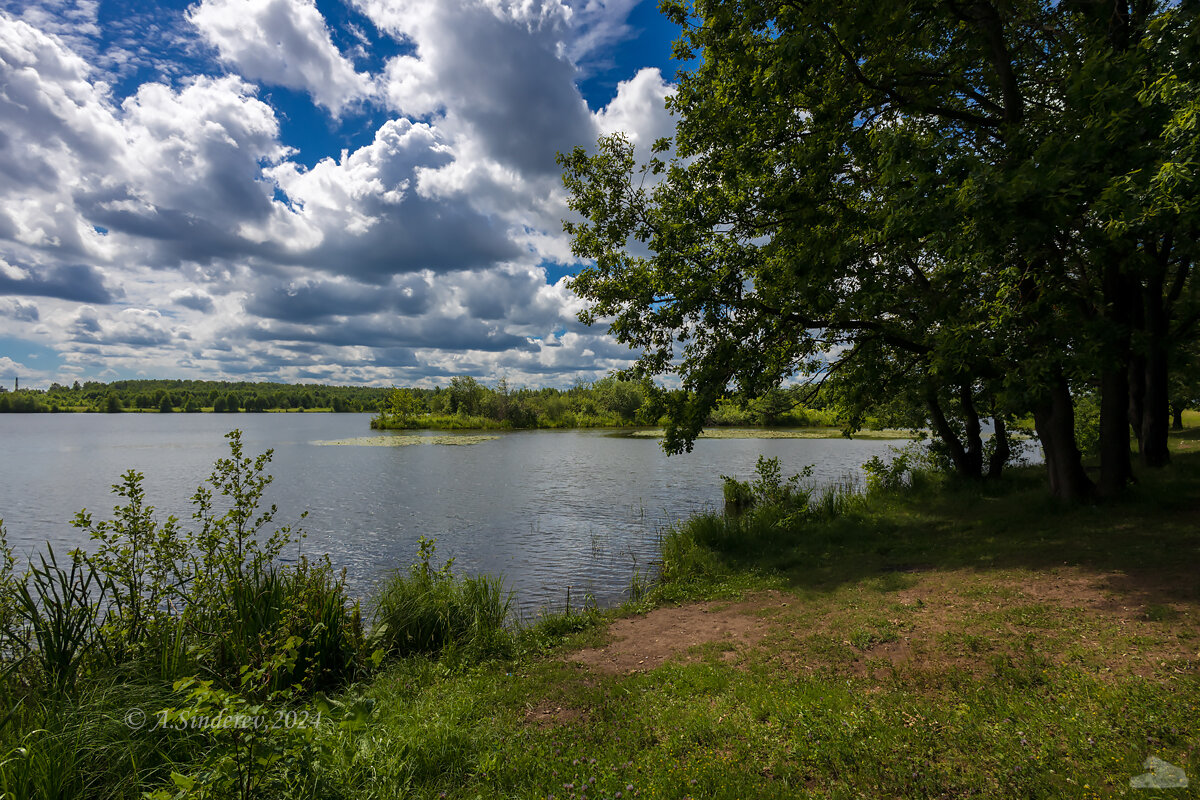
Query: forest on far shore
(191, 396)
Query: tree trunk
(958, 454)
(1176, 418)
(1001, 451)
(1120, 296)
(1156, 413)
(1054, 419)
(1155, 403)
(1137, 377)
(1116, 468)
(974, 454)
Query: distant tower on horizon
(17, 384)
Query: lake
(547, 509)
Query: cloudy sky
(345, 191)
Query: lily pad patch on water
(404, 441)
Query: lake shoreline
(978, 639)
(549, 508)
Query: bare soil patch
(549, 714)
(958, 620)
(645, 642)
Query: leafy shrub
(140, 563)
(302, 611)
(739, 496)
(213, 599)
(1087, 424)
(888, 476)
(769, 488)
(256, 748)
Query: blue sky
(307, 190)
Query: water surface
(548, 509)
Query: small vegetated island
(611, 402)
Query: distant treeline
(466, 403)
(191, 396)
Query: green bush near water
(155, 608)
(429, 610)
(758, 513)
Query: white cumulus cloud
(282, 42)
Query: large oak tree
(978, 204)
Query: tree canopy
(976, 205)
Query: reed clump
(429, 610)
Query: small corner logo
(1161, 776)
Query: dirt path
(959, 619)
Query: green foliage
(769, 488)
(288, 627)
(401, 407)
(234, 538)
(81, 747)
(55, 624)
(23, 402)
(187, 395)
(468, 404)
(9, 581)
(890, 475)
(882, 197)
(155, 601)
(429, 610)
(738, 494)
(840, 499)
(1087, 423)
(255, 749)
(142, 563)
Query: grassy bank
(944, 642)
(937, 641)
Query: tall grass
(84, 642)
(759, 515)
(56, 621)
(307, 605)
(429, 610)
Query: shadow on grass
(1149, 538)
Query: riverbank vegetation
(611, 402)
(920, 635)
(465, 404)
